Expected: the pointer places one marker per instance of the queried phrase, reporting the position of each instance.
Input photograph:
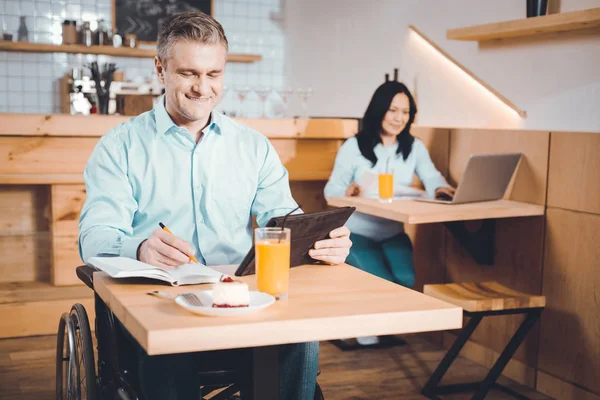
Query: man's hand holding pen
(164, 249)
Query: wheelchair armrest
(85, 273)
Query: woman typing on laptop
(384, 145)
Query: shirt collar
(164, 122)
(216, 122)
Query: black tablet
(306, 229)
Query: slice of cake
(229, 293)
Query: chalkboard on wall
(144, 17)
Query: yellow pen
(164, 228)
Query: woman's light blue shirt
(351, 166)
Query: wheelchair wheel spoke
(82, 376)
(65, 374)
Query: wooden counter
(53, 149)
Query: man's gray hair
(189, 26)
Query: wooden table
(480, 244)
(325, 302)
(417, 212)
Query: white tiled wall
(29, 81)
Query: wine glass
(285, 94)
(304, 96)
(263, 94)
(242, 94)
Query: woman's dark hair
(369, 136)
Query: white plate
(258, 301)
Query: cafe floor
(399, 372)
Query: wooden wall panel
(429, 239)
(518, 265)
(559, 389)
(531, 177)
(437, 141)
(570, 343)
(25, 258)
(34, 308)
(37, 317)
(307, 159)
(573, 181)
(519, 241)
(65, 259)
(23, 209)
(309, 194)
(429, 253)
(44, 155)
(326, 128)
(24, 238)
(67, 201)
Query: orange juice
(272, 266)
(386, 186)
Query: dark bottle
(23, 33)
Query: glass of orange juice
(272, 260)
(386, 187)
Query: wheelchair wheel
(75, 369)
(85, 350)
(66, 360)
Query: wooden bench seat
(485, 296)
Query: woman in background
(384, 144)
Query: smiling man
(192, 73)
(203, 175)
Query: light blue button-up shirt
(149, 170)
(351, 166)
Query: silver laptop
(486, 178)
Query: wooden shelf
(567, 21)
(104, 50)
(415, 212)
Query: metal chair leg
(507, 353)
(432, 388)
(464, 335)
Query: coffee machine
(78, 95)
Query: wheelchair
(117, 377)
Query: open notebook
(187, 274)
